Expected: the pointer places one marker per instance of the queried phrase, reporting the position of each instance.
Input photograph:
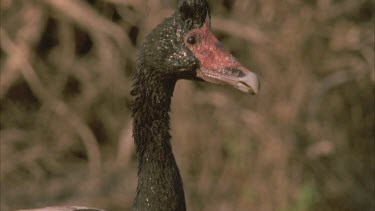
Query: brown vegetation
(306, 142)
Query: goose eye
(192, 40)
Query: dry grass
(305, 143)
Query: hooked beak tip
(249, 83)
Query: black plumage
(165, 57)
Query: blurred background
(306, 142)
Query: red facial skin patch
(211, 54)
(216, 64)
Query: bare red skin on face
(209, 51)
(216, 64)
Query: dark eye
(192, 40)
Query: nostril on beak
(235, 72)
